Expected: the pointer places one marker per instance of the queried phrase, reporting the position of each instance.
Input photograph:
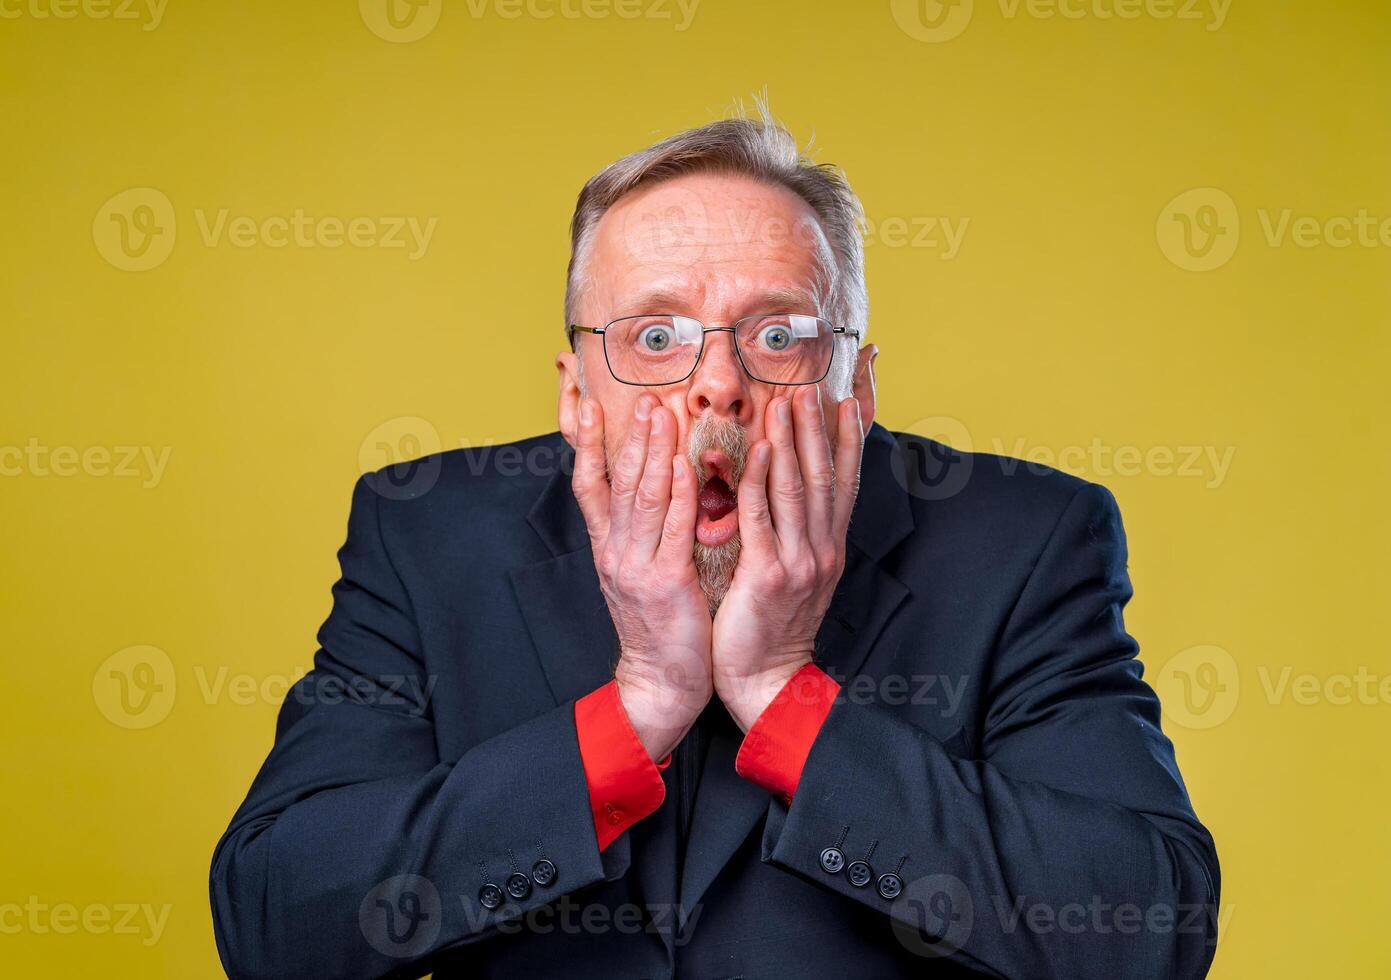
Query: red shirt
(625, 785)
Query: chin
(715, 565)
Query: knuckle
(647, 501)
(791, 492)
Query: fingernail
(763, 452)
(644, 409)
(586, 413)
(785, 410)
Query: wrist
(747, 696)
(660, 715)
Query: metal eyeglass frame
(731, 329)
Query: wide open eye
(775, 337)
(656, 338)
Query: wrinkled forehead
(709, 243)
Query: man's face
(716, 248)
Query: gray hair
(764, 150)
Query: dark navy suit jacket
(994, 744)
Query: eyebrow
(776, 300)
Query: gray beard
(715, 566)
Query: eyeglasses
(663, 349)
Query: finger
(850, 444)
(755, 521)
(786, 494)
(627, 471)
(678, 533)
(588, 482)
(653, 497)
(814, 458)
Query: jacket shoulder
(987, 497)
(497, 482)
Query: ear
(567, 367)
(862, 384)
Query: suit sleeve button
(518, 885)
(490, 896)
(832, 860)
(890, 885)
(543, 872)
(859, 873)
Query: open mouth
(718, 520)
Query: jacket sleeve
(1069, 848)
(360, 851)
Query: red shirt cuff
(776, 746)
(625, 785)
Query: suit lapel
(569, 623)
(560, 597)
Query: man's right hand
(642, 531)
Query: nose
(719, 384)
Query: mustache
(712, 432)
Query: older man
(736, 688)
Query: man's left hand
(794, 508)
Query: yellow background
(1059, 322)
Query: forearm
(308, 876)
(1045, 882)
